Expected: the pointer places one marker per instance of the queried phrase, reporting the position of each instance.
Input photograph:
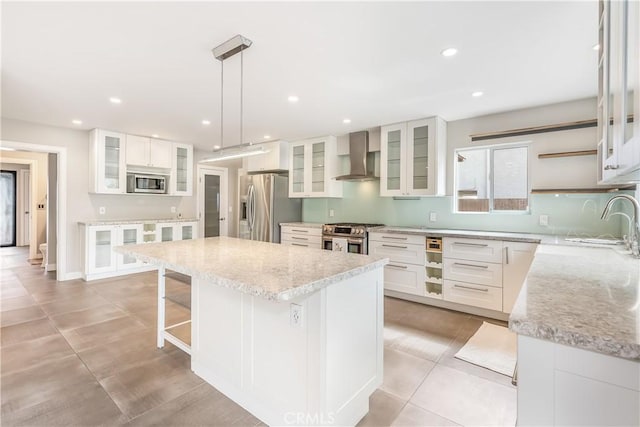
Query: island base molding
(318, 370)
(562, 385)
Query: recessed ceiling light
(115, 100)
(267, 137)
(155, 135)
(596, 46)
(477, 94)
(293, 98)
(346, 121)
(216, 147)
(206, 122)
(76, 122)
(450, 51)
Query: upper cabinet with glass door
(181, 170)
(619, 92)
(107, 162)
(412, 158)
(313, 166)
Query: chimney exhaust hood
(360, 160)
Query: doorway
(8, 202)
(213, 205)
(24, 207)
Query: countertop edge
(134, 221)
(302, 224)
(469, 234)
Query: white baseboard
(51, 267)
(71, 276)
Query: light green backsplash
(569, 214)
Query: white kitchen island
(294, 335)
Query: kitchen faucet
(634, 230)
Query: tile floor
(76, 353)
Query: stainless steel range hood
(360, 160)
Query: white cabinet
(308, 237)
(518, 257)
(170, 231)
(313, 165)
(148, 152)
(275, 158)
(128, 234)
(473, 272)
(181, 170)
(107, 162)
(413, 158)
(165, 232)
(406, 269)
(619, 92)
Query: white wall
(82, 206)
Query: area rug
(492, 347)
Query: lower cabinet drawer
(308, 243)
(301, 238)
(405, 278)
(400, 253)
(476, 295)
(477, 272)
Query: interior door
(7, 208)
(26, 205)
(212, 201)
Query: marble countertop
(471, 234)
(272, 271)
(302, 224)
(584, 297)
(134, 221)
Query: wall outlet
(331, 213)
(544, 220)
(433, 216)
(295, 315)
(102, 210)
(173, 209)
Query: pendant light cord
(221, 105)
(241, 91)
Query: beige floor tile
(174, 313)
(78, 302)
(26, 331)
(28, 354)
(61, 290)
(383, 409)
(20, 315)
(466, 399)
(125, 353)
(182, 332)
(86, 317)
(144, 387)
(13, 292)
(403, 373)
(414, 416)
(204, 405)
(426, 345)
(102, 333)
(7, 304)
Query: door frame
(24, 204)
(14, 237)
(61, 223)
(33, 206)
(223, 173)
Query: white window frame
(490, 189)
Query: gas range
(346, 237)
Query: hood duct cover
(361, 162)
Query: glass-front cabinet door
(421, 163)
(101, 257)
(318, 167)
(187, 230)
(129, 235)
(392, 154)
(182, 170)
(165, 232)
(108, 150)
(297, 175)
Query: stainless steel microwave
(146, 183)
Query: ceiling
(372, 62)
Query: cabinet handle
(394, 246)
(506, 255)
(298, 244)
(300, 231)
(299, 238)
(394, 238)
(477, 245)
(611, 167)
(482, 267)
(470, 288)
(404, 267)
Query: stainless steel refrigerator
(264, 204)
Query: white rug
(492, 347)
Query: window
(492, 179)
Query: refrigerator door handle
(250, 207)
